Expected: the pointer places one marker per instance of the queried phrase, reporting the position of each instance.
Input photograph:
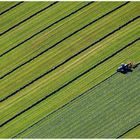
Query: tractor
(124, 68)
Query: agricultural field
(58, 64)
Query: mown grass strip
(68, 83)
(123, 34)
(131, 129)
(66, 73)
(10, 8)
(6, 5)
(27, 119)
(134, 133)
(88, 108)
(62, 40)
(31, 16)
(70, 91)
(65, 61)
(34, 25)
(25, 10)
(18, 135)
(42, 30)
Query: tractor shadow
(125, 72)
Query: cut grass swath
(26, 10)
(25, 52)
(72, 76)
(134, 132)
(31, 16)
(6, 5)
(4, 84)
(8, 8)
(31, 29)
(52, 93)
(102, 112)
(60, 99)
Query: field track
(52, 58)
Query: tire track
(63, 106)
(44, 29)
(67, 83)
(58, 41)
(128, 130)
(14, 26)
(10, 8)
(68, 59)
(71, 102)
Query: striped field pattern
(58, 64)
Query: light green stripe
(5, 5)
(37, 23)
(68, 93)
(24, 10)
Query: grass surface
(6, 5)
(51, 37)
(105, 111)
(24, 10)
(84, 38)
(58, 100)
(64, 74)
(33, 25)
(134, 133)
(51, 56)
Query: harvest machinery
(124, 68)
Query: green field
(134, 133)
(99, 112)
(49, 57)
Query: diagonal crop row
(128, 130)
(34, 25)
(45, 28)
(134, 133)
(63, 106)
(60, 40)
(65, 61)
(6, 5)
(10, 8)
(13, 17)
(63, 97)
(31, 66)
(66, 84)
(67, 72)
(43, 119)
(44, 105)
(28, 18)
(43, 63)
